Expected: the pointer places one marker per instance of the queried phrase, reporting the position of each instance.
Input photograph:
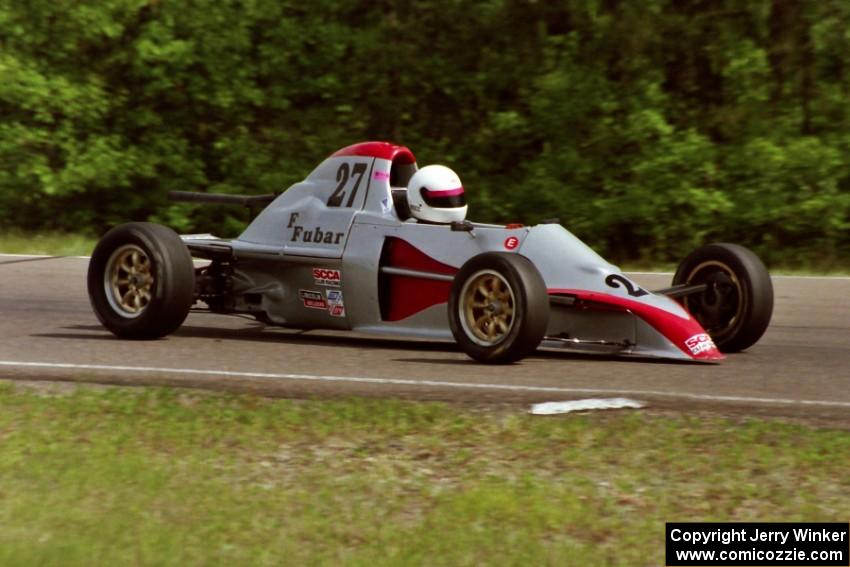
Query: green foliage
(646, 127)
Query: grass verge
(170, 477)
(47, 243)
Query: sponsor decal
(336, 307)
(381, 175)
(312, 299)
(699, 343)
(511, 242)
(315, 235)
(327, 277)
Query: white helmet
(435, 194)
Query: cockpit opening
(401, 171)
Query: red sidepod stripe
(409, 295)
(676, 329)
(382, 150)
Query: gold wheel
(487, 308)
(129, 281)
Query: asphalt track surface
(800, 369)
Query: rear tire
(738, 304)
(498, 307)
(141, 281)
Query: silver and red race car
(345, 249)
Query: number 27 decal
(342, 174)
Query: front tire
(498, 307)
(738, 304)
(141, 281)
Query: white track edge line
(35, 256)
(425, 382)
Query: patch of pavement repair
(588, 404)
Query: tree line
(648, 127)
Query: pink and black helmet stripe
(444, 199)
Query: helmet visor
(450, 199)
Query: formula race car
(372, 243)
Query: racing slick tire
(498, 307)
(736, 308)
(141, 281)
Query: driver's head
(435, 194)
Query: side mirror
(461, 226)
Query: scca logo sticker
(699, 343)
(511, 242)
(324, 276)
